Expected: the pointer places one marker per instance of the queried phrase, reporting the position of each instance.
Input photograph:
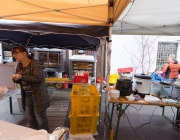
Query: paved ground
(153, 125)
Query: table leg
(111, 115)
(178, 114)
(177, 124)
(163, 111)
(108, 113)
(166, 116)
(10, 105)
(119, 116)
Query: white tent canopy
(149, 17)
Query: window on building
(164, 49)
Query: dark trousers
(36, 120)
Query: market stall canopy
(86, 12)
(50, 35)
(70, 24)
(149, 17)
(61, 41)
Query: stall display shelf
(83, 63)
(52, 60)
(82, 58)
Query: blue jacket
(155, 77)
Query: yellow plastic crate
(113, 78)
(83, 124)
(87, 104)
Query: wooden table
(122, 100)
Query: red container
(98, 80)
(65, 86)
(124, 70)
(81, 79)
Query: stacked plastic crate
(84, 109)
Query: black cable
(136, 108)
(106, 116)
(142, 124)
(127, 12)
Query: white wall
(1, 54)
(120, 58)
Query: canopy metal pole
(108, 56)
(106, 120)
(101, 77)
(101, 68)
(95, 59)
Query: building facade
(163, 52)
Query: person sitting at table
(156, 76)
(35, 98)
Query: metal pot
(142, 83)
(124, 86)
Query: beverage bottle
(98, 82)
(112, 134)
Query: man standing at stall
(171, 69)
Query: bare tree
(143, 53)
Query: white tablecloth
(14, 132)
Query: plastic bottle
(98, 85)
(112, 134)
(98, 82)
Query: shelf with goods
(86, 63)
(83, 66)
(52, 60)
